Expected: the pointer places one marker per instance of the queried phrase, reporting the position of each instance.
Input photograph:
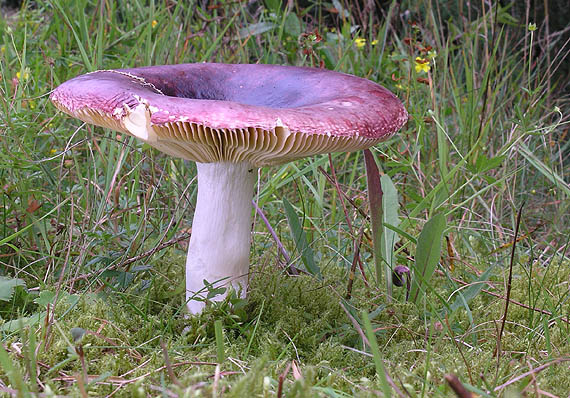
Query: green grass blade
(378, 362)
(22, 230)
(300, 239)
(84, 56)
(544, 169)
(218, 39)
(220, 349)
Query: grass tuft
(94, 225)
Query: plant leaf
(298, 235)
(463, 299)
(378, 361)
(14, 376)
(390, 207)
(7, 286)
(428, 253)
(17, 324)
(375, 196)
(255, 29)
(220, 349)
(77, 334)
(292, 25)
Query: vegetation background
(94, 225)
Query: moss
(300, 318)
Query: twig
(532, 372)
(340, 195)
(356, 325)
(348, 199)
(216, 381)
(282, 377)
(168, 365)
(457, 387)
(394, 386)
(113, 380)
(50, 314)
(509, 283)
(334, 181)
(81, 385)
(355, 259)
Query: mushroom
(232, 119)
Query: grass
(94, 225)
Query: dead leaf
(33, 205)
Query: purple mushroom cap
(261, 114)
(231, 119)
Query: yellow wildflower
(25, 76)
(532, 27)
(374, 42)
(360, 42)
(154, 23)
(422, 65)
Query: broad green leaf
(300, 239)
(484, 164)
(7, 286)
(273, 5)
(292, 25)
(390, 208)
(44, 298)
(255, 29)
(17, 324)
(428, 253)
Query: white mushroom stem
(221, 231)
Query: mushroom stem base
(221, 232)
